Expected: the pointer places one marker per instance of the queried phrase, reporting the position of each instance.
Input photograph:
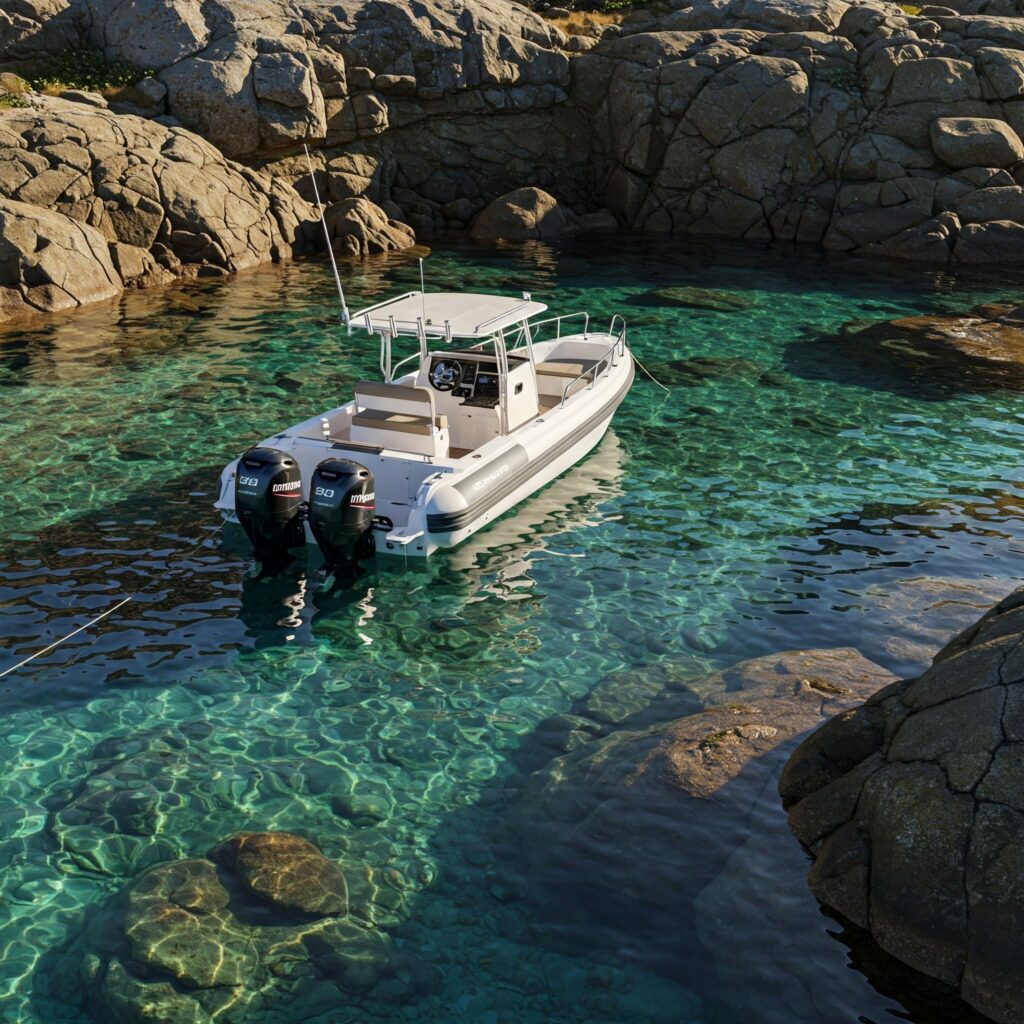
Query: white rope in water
(648, 373)
(111, 609)
(57, 643)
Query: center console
(478, 386)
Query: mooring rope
(113, 608)
(632, 352)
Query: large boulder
(911, 807)
(49, 262)
(975, 142)
(524, 213)
(359, 227)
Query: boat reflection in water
(494, 564)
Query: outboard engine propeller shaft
(341, 504)
(268, 501)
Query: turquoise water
(772, 501)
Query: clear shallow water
(775, 504)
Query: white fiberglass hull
(425, 504)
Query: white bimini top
(447, 314)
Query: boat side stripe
(449, 522)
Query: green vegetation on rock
(84, 68)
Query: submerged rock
(177, 923)
(699, 298)
(190, 941)
(928, 356)
(911, 807)
(648, 813)
(285, 870)
(701, 369)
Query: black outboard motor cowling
(341, 504)
(268, 501)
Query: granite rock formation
(260, 931)
(856, 125)
(911, 807)
(860, 127)
(133, 202)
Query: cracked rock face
(94, 201)
(911, 806)
(50, 262)
(857, 126)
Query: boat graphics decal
(480, 481)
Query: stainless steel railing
(603, 364)
(534, 324)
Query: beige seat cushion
(402, 398)
(381, 419)
(564, 368)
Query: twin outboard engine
(268, 501)
(341, 504)
(269, 505)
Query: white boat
(497, 402)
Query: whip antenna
(423, 292)
(327, 239)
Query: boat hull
(507, 487)
(425, 504)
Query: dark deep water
(779, 498)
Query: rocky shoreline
(862, 127)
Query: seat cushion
(404, 398)
(564, 367)
(381, 419)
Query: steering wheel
(446, 376)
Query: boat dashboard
(469, 376)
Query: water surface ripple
(766, 504)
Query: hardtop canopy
(447, 314)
